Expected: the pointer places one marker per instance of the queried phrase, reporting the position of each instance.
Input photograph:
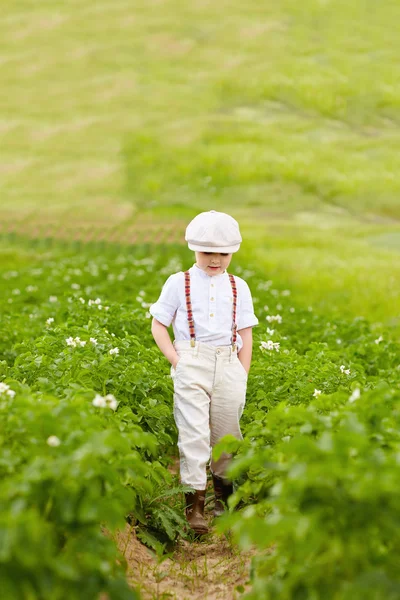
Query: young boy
(212, 316)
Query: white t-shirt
(212, 302)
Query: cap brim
(220, 249)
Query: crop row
(88, 434)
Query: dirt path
(204, 570)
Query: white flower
(114, 351)
(379, 340)
(106, 308)
(292, 309)
(338, 341)
(5, 389)
(50, 320)
(75, 286)
(270, 345)
(317, 393)
(355, 395)
(266, 308)
(16, 292)
(272, 318)
(142, 293)
(99, 306)
(285, 293)
(108, 401)
(111, 401)
(90, 302)
(113, 335)
(97, 301)
(31, 288)
(344, 370)
(99, 401)
(75, 342)
(82, 301)
(53, 440)
(270, 331)
(53, 299)
(148, 315)
(94, 341)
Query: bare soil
(209, 569)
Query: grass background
(285, 114)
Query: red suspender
(190, 312)
(189, 309)
(234, 325)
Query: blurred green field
(285, 114)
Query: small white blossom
(338, 341)
(270, 331)
(379, 340)
(266, 308)
(99, 306)
(148, 315)
(82, 300)
(272, 318)
(344, 370)
(6, 390)
(53, 440)
(99, 401)
(142, 293)
(113, 335)
(31, 288)
(53, 299)
(108, 401)
(106, 308)
(111, 401)
(114, 351)
(270, 345)
(285, 293)
(73, 342)
(16, 292)
(317, 393)
(50, 320)
(355, 395)
(292, 309)
(94, 341)
(75, 286)
(97, 301)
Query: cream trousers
(209, 396)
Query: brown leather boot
(195, 511)
(222, 491)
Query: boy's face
(213, 263)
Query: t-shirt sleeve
(246, 316)
(166, 306)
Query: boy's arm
(246, 351)
(163, 341)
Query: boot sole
(200, 530)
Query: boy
(212, 317)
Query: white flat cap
(213, 232)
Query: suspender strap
(234, 325)
(190, 312)
(189, 309)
